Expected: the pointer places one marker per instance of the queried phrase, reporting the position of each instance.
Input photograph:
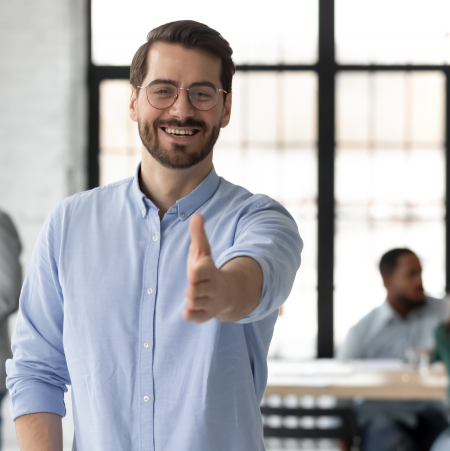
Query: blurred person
(10, 284)
(399, 328)
(155, 297)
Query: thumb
(199, 241)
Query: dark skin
(404, 286)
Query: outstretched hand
(227, 294)
(204, 299)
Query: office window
(390, 183)
(119, 28)
(120, 145)
(392, 31)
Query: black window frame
(326, 69)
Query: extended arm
(39, 432)
(227, 294)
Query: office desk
(370, 379)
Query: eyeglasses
(203, 96)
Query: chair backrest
(315, 423)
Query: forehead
(408, 261)
(183, 65)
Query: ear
(133, 104)
(387, 282)
(226, 111)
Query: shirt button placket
(151, 260)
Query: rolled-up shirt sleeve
(267, 233)
(38, 374)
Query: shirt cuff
(35, 397)
(260, 310)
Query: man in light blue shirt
(155, 297)
(402, 325)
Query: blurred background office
(339, 112)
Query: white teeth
(174, 131)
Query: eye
(161, 91)
(203, 95)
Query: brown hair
(189, 34)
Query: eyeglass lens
(202, 97)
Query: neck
(398, 306)
(164, 186)
(403, 306)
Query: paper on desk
(385, 365)
(299, 380)
(317, 369)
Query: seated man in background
(403, 323)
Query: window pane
(120, 145)
(390, 184)
(270, 147)
(270, 150)
(393, 31)
(119, 28)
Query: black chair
(341, 424)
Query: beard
(177, 157)
(411, 304)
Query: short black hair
(389, 260)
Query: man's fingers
(200, 290)
(202, 270)
(200, 244)
(196, 316)
(198, 304)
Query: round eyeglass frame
(178, 93)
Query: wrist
(228, 305)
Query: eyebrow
(163, 80)
(175, 83)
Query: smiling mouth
(180, 133)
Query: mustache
(174, 123)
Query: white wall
(43, 97)
(42, 116)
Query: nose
(182, 108)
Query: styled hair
(389, 260)
(189, 34)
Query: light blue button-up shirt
(101, 310)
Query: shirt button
(146, 399)
(145, 345)
(183, 215)
(143, 211)
(173, 210)
(149, 291)
(155, 238)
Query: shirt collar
(386, 313)
(188, 204)
(195, 199)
